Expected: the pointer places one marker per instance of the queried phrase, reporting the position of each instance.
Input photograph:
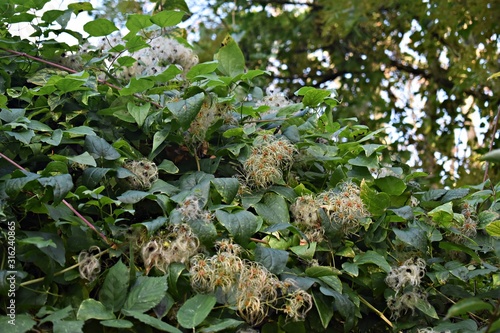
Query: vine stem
(495, 124)
(90, 225)
(67, 269)
(70, 70)
(380, 314)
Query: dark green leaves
(241, 224)
(274, 260)
(100, 148)
(114, 289)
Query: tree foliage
(419, 66)
(143, 190)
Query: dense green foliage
(143, 191)
(379, 55)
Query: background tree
(420, 66)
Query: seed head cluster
(246, 285)
(155, 59)
(274, 100)
(176, 244)
(145, 173)
(210, 112)
(270, 156)
(343, 207)
(191, 209)
(405, 280)
(89, 266)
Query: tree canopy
(420, 66)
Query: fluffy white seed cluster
(176, 244)
(409, 273)
(405, 280)
(89, 266)
(153, 60)
(274, 100)
(191, 209)
(246, 285)
(343, 207)
(145, 173)
(162, 52)
(270, 156)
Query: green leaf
(313, 96)
(216, 325)
(68, 326)
(373, 257)
(324, 306)
(61, 185)
(92, 309)
(442, 215)
(320, 271)
(351, 268)
(23, 323)
(139, 113)
(333, 282)
(39, 242)
(151, 321)
(23, 136)
(273, 209)
(99, 27)
(167, 18)
(117, 323)
(370, 162)
(15, 185)
(136, 85)
(231, 59)
(168, 166)
(132, 196)
(468, 325)
(55, 139)
(100, 148)
(92, 176)
(274, 260)
(85, 159)
(492, 156)
(152, 225)
(57, 315)
(146, 293)
(375, 202)
(137, 22)
(195, 310)
(493, 229)
(227, 188)
(241, 224)
(427, 308)
(406, 212)
(57, 253)
(114, 289)
(391, 185)
(412, 236)
(305, 252)
(464, 306)
(186, 110)
(200, 69)
(158, 140)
